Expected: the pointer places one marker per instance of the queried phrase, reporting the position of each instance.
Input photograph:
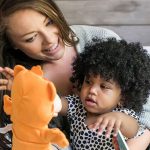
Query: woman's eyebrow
(45, 19)
(34, 31)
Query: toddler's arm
(115, 121)
(128, 126)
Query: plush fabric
(31, 107)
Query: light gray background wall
(128, 18)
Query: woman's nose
(48, 37)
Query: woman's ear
(16, 48)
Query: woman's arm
(140, 142)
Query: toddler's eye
(87, 81)
(104, 86)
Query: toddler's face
(98, 95)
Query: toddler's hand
(8, 73)
(109, 121)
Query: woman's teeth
(52, 48)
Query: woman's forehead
(24, 21)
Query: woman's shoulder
(86, 33)
(91, 31)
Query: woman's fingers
(8, 73)
(9, 70)
(3, 84)
(3, 81)
(3, 87)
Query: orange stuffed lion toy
(31, 107)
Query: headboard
(130, 19)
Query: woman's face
(35, 34)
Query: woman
(35, 32)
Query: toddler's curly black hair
(128, 64)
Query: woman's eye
(49, 22)
(31, 39)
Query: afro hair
(128, 64)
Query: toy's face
(33, 99)
(57, 105)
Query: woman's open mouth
(51, 50)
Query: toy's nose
(57, 105)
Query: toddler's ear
(7, 105)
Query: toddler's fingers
(102, 126)
(92, 127)
(96, 124)
(117, 127)
(110, 127)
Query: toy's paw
(56, 136)
(59, 138)
(63, 142)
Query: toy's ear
(7, 105)
(17, 69)
(37, 70)
(51, 91)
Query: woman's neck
(60, 71)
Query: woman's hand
(8, 73)
(109, 121)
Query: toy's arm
(55, 136)
(7, 105)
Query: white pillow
(147, 48)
